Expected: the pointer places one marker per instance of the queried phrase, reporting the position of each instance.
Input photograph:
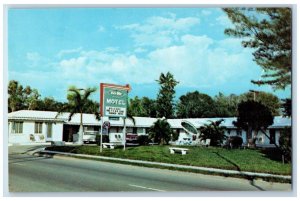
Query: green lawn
(253, 160)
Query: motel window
(17, 127)
(49, 130)
(119, 129)
(38, 127)
(89, 128)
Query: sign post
(113, 103)
(101, 133)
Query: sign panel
(114, 100)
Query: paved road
(29, 173)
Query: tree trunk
(161, 141)
(12, 107)
(80, 133)
(249, 134)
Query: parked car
(90, 136)
(131, 138)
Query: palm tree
(78, 103)
(213, 131)
(165, 104)
(167, 80)
(15, 96)
(161, 131)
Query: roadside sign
(113, 104)
(113, 100)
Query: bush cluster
(143, 140)
(105, 139)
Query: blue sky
(51, 49)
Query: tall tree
(268, 99)
(144, 107)
(135, 107)
(287, 107)
(165, 103)
(22, 98)
(78, 103)
(32, 98)
(269, 32)
(149, 106)
(253, 116)
(48, 104)
(15, 96)
(226, 106)
(195, 105)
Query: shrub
(32, 137)
(235, 141)
(160, 131)
(105, 139)
(42, 137)
(175, 136)
(143, 140)
(214, 132)
(285, 142)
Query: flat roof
(90, 119)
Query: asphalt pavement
(29, 173)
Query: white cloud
(101, 28)
(68, 51)
(200, 42)
(233, 45)
(128, 26)
(206, 12)
(223, 20)
(197, 61)
(159, 31)
(33, 59)
(140, 50)
(171, 24)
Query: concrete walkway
(203, 169)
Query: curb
(211, 170)
(35, 143)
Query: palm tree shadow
(35, 149)
(29, 158)
(248, 177)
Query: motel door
(49, 131)
(272, 136)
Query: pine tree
(269, 32)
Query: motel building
(34, 127)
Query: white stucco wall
(263, 139)
(28, 129)
(184, 137)
(57, 131)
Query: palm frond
(88, 92)
(71, 115)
